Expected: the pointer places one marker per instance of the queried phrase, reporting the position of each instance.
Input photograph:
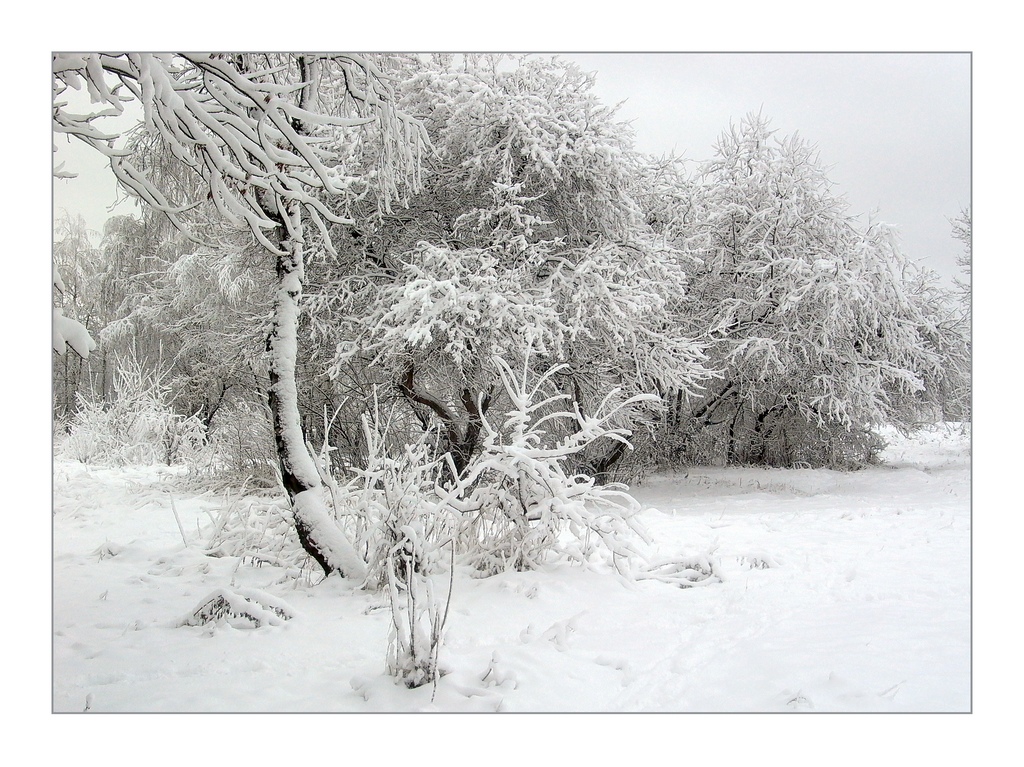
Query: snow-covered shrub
(408, 534)
(257, 529)
(419, 585)
(524, 507)
(242, 608)
(521, 506)
(516, 505)
(137, 427)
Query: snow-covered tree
(962, 233)
(525, 242)
(74, 265)
(266, 138)
(820, 327)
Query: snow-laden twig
(240, 608)
(177, 519)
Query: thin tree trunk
(470, 442)
(762, 433)
(318, 532)
(732, 455)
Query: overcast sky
(893, 128)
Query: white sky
(893, 128)
(94, 194)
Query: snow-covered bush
(241, 608)
(137, 427)
(522, 507)
(419, 586)
(516, 505)
(408, 534)
(256, 528)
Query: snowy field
(839, 592)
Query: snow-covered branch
(245, 130)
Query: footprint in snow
(800, 703)
(560, 632)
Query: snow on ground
(839, 592)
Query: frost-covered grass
(839, 592)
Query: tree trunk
(318, 532)
(601, 469)
(762, 433)
(732, 454)
(461, 446)
(470, 442)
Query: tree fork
(460, 446)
